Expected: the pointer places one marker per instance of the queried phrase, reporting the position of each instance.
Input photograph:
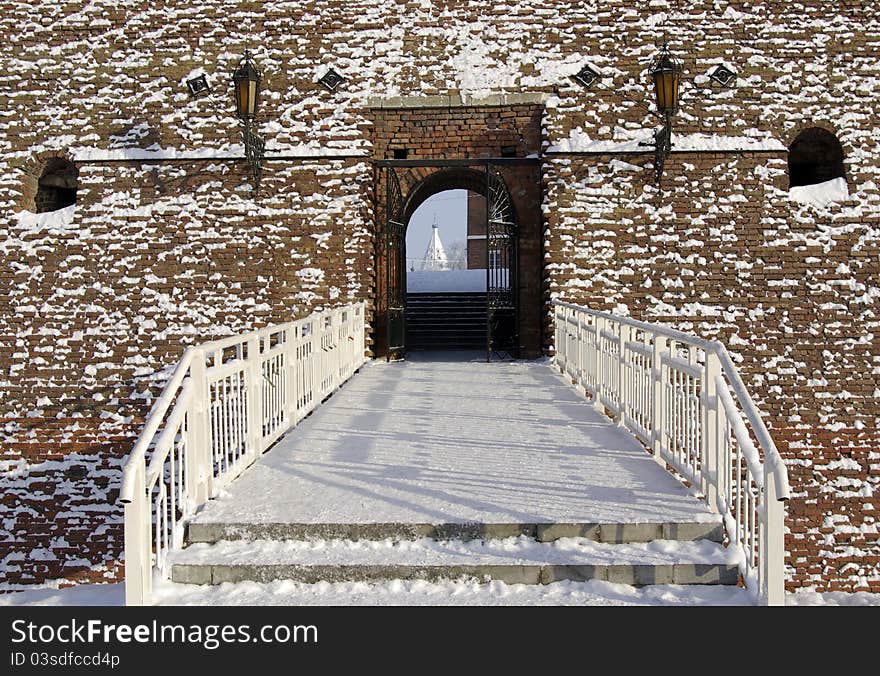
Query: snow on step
(514, 560)
(614, 533)
(429, 441)
(427, 551)
(445, 593)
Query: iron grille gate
(502, 317)
(502, 302)
(395, 267)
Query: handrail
(226, 402)
(749, 409)
(151, 425)
(771, 453)
(681, 395)
(658, 329)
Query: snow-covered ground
(48, 594)
(592, 593)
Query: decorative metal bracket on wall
(662, 146)
(254, 152)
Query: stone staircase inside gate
(446, 321)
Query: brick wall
(167, 244)
(786, 288)
(476, 226)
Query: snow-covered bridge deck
(442, 439)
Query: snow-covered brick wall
(167, 244)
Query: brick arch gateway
(491, 150)
(512, 189)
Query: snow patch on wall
(820, 194)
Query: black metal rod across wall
(635, 153)
(478, 162)
(423, 163)
(219, 158)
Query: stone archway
(514, 294)
(432, 142)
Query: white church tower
(435, 255)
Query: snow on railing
(683, 398)
(225, 404)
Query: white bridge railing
(225, 404)
(683, 398)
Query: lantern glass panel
(247, 90)
(249, 98)
(241, 102)
(666, 89)
(667, 75)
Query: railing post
(326, 352)
(598, 374)
(772, 545)
(290, 348)
(360, 335)
(624, 333)
(199, 464)
(723, 459)
(563, 341)
(138, 544)
(709, 437)
(581, 352)
(335, 346)
(557, 350)
(658, 416)
(255, 397)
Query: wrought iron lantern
(246, 81)
(666, 73)
(246, 89)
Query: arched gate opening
(401, 187)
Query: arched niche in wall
(56, 186)
(815, 156)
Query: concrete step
(446, 295)
(449, 324)
(448, 332)
(516, 560)
(609, 533)
(437, 315)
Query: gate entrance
(403, 185)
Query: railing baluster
(226, 431)
(659, 387)
(623, 333)
(711, 479)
